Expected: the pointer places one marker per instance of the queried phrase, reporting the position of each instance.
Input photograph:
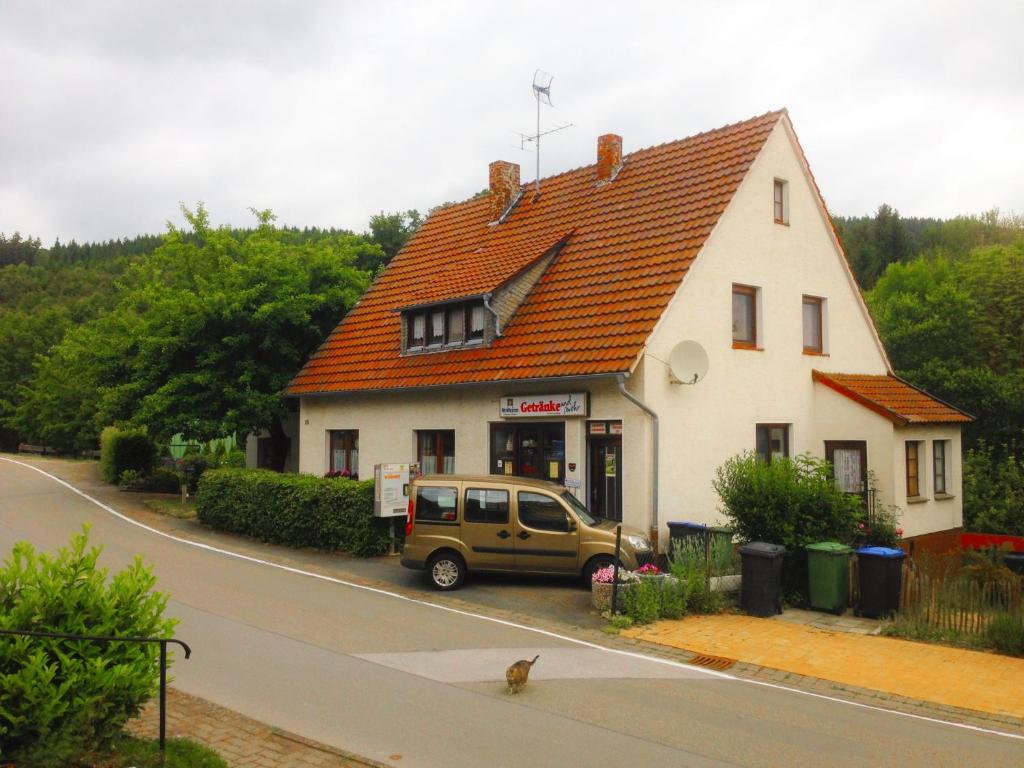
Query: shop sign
(574, 404)
(615, 428)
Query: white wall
(387, 423)
(930, 512)
(705, 424)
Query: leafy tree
(18, 250)
(391, 231)
(994, 490)
(206, 333)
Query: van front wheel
(447, 571)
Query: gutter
(497, 320)
(621, 381)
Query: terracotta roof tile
(893, 398)
(627, 246)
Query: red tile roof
(630, 242)
(892, 398)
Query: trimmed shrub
(793, 502)
(296, 510)
(1006, 634)
(125, 449)
(162, 481)
(60, 699)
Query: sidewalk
(984, 682)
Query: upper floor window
(744, 316)
(781, 201)
(445, 326)
(813, 315)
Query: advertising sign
(532, 406)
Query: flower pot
(601, 595)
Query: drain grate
(712, 662)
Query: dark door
(606, 477)
(849, 460)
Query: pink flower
(861, 526)
(899, 531)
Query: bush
(994, 491)
(162, 481)
(642, 602)
(125, 449)
(60, 698)
(1006, 633)
(296, 510)
(192, 466)
(793, 502)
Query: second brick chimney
(504, 186)
(609, 156)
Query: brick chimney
(609, 157)
(504, 186)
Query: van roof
(527, 481)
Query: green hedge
(296, 510)
(125, 449)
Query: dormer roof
(627, 245)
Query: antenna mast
(542, 93)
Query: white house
(530, 333)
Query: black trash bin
(881, 575)
(761, 585)
(1014, 561)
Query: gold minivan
(463, 523)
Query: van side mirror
(570, 523)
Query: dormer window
(444, 327)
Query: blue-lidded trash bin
(702, 541)
(881, 576)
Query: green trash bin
(828, 571)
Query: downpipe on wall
(621, 380)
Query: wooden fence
(954, 602)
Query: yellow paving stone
(954, 677)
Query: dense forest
(196, 330)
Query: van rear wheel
(594, 564)
(447, 571)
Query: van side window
(486, 506)
(436, 504)
(542, 512)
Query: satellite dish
(687, 363)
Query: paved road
(388, 677)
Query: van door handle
(503, 534)
(523, 535)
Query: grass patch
(145, 753)
(173, 507)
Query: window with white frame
(940, 467)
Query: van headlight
(639, 543)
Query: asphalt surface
(412, 684)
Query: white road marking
(482, 665)
(504, 622)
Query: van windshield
(579, 509)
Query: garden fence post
(163, 698)
(615, 566)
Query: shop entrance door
(606, 477)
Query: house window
(345, 451)
(445, 326)
(744, 317)
(781, 201)
(940, 463)
(813, 333)
(435, 451)
(772, 442)
(913, 448)
(476, 323)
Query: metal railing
(108, 639)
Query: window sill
(815, 353)
(916, 499)
(745, 345)
(944, 496)
(783, 223)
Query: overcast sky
(111, 113)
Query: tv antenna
(542, 93)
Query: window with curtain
(435, 451)
(345, 451)
(939, 460)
